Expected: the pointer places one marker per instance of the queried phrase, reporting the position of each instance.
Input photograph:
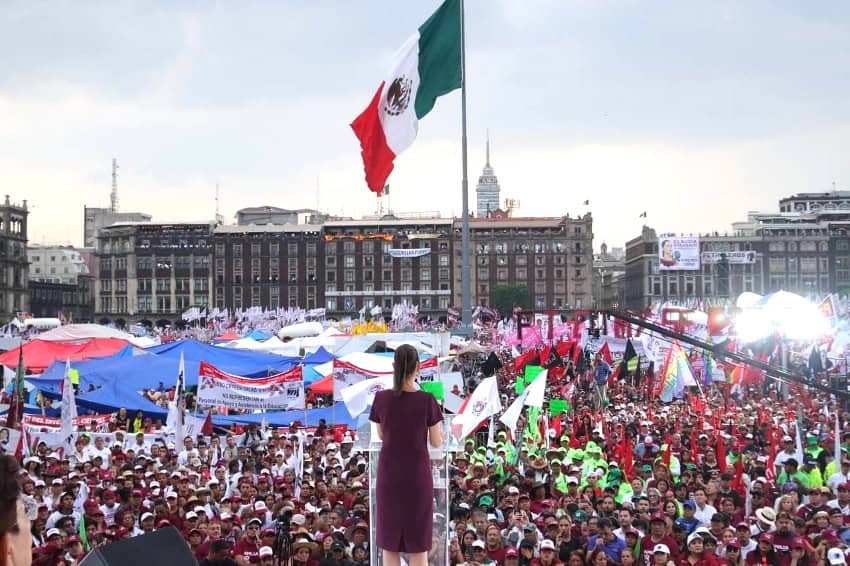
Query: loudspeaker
(163, 547)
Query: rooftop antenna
(113, 197)
(219, 219)
(488, 147)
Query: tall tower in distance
(113, 196)
(487, 190)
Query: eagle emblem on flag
(398, 96)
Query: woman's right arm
(435, 435)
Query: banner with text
(678, 253)
(279, 392)
(745, 257)
(409, 252)
(346, 374)
(84, 422)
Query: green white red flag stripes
(427, 66)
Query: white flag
(531, 396)
(69, 407)
(175, 419)
(483, 402)
(359, 396)
(837, 444)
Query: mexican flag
(427, 66)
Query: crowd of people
(619, 478)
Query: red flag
(544, 355)
(770, 472)
(605, 352)
(628, 461)
(667, 451)
(737, 483)
(555, 425)
(721, 453)
(207, 428)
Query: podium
(368, 442)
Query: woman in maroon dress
(407, 419)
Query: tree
(506, 297)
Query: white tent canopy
(82, 332)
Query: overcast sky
(693, 111)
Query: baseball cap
(511, 553)
(546, 545)
(835, 557)
(478, 544)
(147, 515)
(658, 517)
(658, 548)
(266, 551)
(53, 532)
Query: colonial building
(269, 266)
(552, 257)
(152, 272)
(729, 265)
(387, 261)
(14, 284)
(72, 302)
(609, 273)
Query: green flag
(519, 386)
(558, 406)
(531, 372)
(83, 537)
(435, 388)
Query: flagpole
(466, 282)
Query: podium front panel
(439, 554)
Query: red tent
(324, 386)
(228, 336)
(39, 354)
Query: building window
(387, 275)
(255, 249)
(672, 287)
(368, 275)
(143, 263)
(407, 274)
(368, 247)
(236, 250)
(521, 274)
(163, 285)
(348, 261)
(202, 262)
(202, 285)
(121, 285)
(444, 260)
(349, 275)
(444, 274)
(330, 303)
(501, 274)
(163, 304)
(425, 274)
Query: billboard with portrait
(678, 253)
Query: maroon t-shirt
(647, 544)
(249, 550)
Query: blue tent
(259, 335)
(320, 356)
(336, 415)
(109, 383)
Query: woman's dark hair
(404, 363)
(10, 490)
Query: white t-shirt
(104, 453)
